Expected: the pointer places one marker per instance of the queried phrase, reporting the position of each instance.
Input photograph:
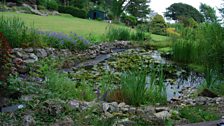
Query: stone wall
(21, 57)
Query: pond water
(177, 79)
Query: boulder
(65, 122)
(28, 120)
(163, 115)
(207, 93)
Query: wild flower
(61, 40)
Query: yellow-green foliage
(172, 32)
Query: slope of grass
(67, 23)
(63, 23)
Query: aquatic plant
(133, 87)
(203, 45)
(156, 89)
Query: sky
(160, 6)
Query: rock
(41, 53)
(28, 121)
(3, 101)
(220, 100)
(28, 61)
(201, 100)
(37, 12)
(125, 109)
(18, 61)
(207, 93)
(66, 122)
(19, 54)
(10, 4)
(125, 122)
(121, 105)
(149, 109)
(22, 69)
(27, 98)
(106, 107)
(33, 56)
(160, 109)
(114, 107)
(75, 104)
(55, 13)
(163, 115)
(28, 50)
(108, 115)
(52, 107)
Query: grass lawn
(67, 23)
(64, 23)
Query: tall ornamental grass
(203, 45)
(136, 90)
(121, 33)
(133, 87)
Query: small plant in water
(156, 90)
(133, 87)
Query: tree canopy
(139, 8)
(177, 10)
(208, 12)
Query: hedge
(76, 12)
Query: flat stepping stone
(211, 123)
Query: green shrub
(129, 20)
(76, 12)
(198, 114)
(66, 89)
(17, 33)
(158, 25)
(49, 4)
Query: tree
(158, 25)
(139, 8)
(117, 8)
(221, 9)
(177, 10)
(208, 12)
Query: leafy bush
(17, 33)
(158, 25)
(198, 114)
(65, 88)
(49, 4)
(129, 20)
(76, 12)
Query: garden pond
(180, 82)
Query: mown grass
(64, 23)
